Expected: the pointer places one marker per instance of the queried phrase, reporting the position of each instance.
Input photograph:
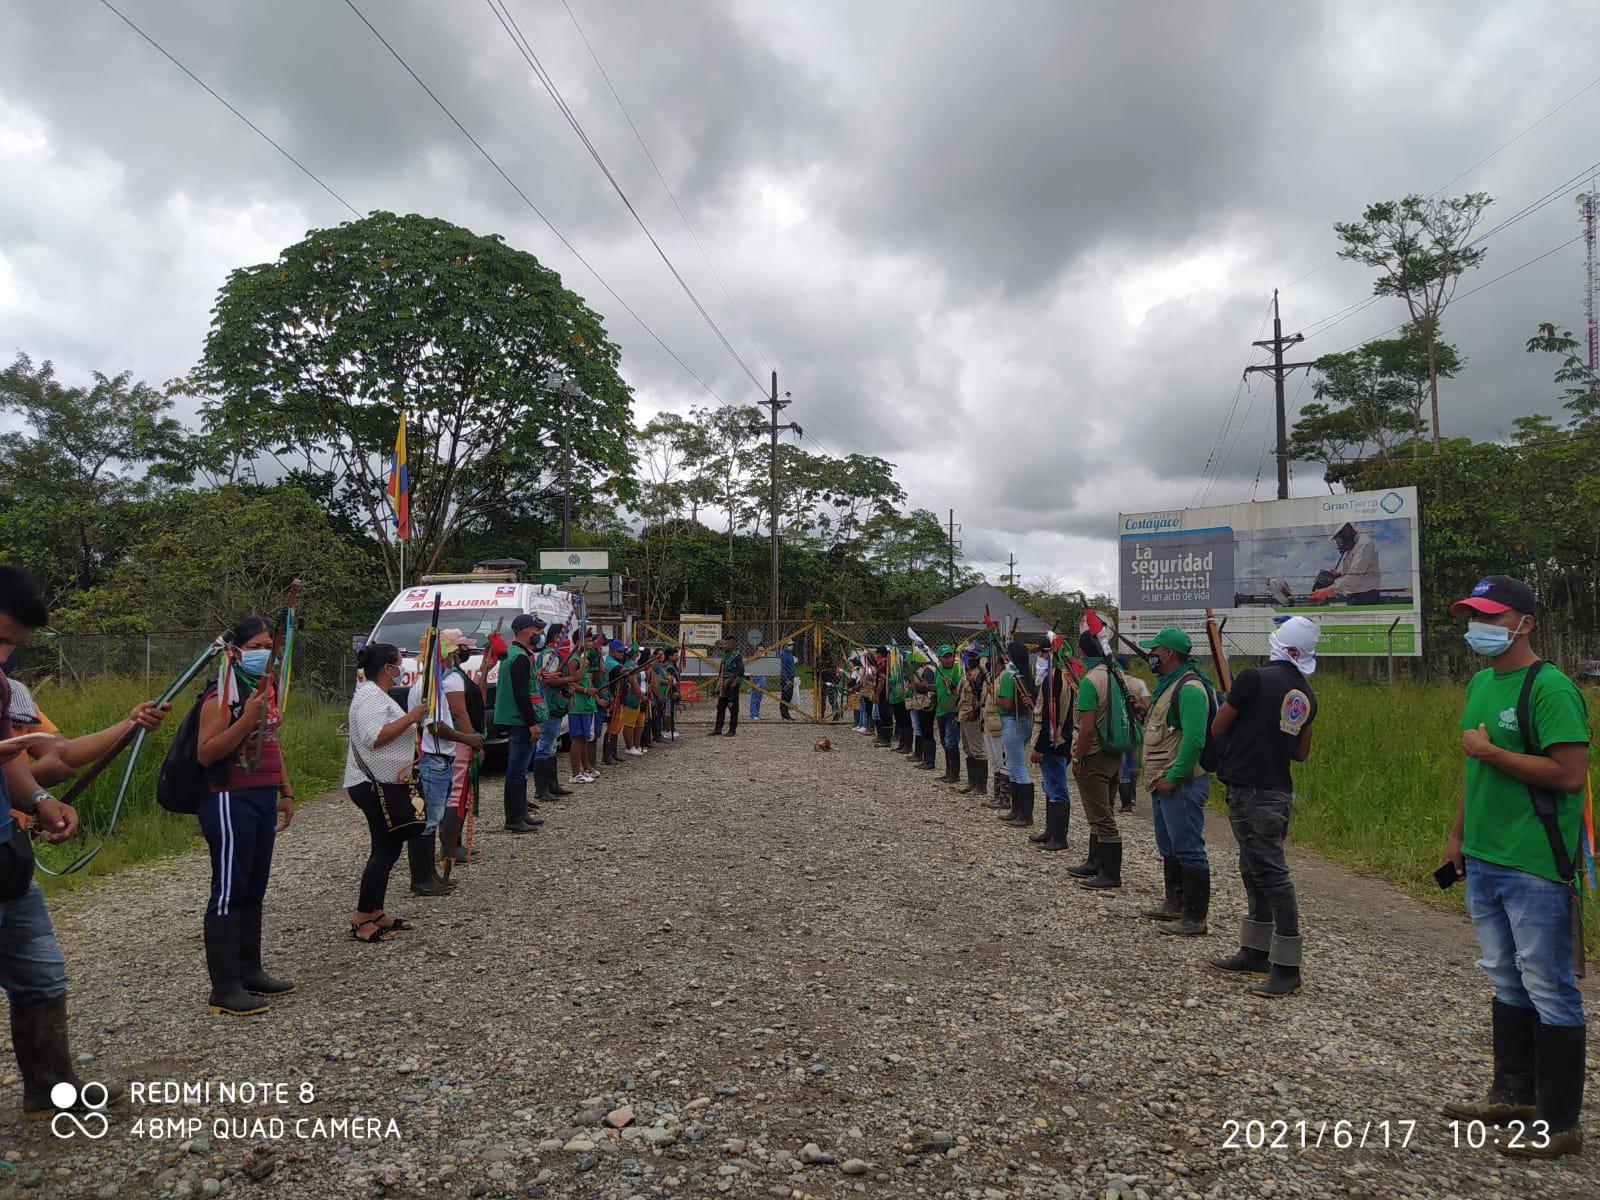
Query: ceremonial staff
(279, 662)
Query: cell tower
(1588, 205)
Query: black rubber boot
(929, 749)
(1196, 903)
(1558, 1072)
(1170, 908)
(1057, 814)
(1283, 968)
(222, 963)
(1125, 792)
(39, 1040)
(425, 879)
(608, 750)
(916, 749)
(952, 766)
(1000, 791)
(1109, 877)
(450, 836)
(541, 789)
(1511, 1095)
(1090, 866)
(971, 785)
(1255, 937)
(517, 808)
(884, 740)
(552, 777)
(1024, 805)
(1043, 835)
(252, 977)
(1008, 793)
(902, 738)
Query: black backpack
(182, 783)
(1211, 749)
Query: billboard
(1348, 561)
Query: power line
(1205, 471)
(215, 95)
(514, 32)
(534, 208)
(664, 184)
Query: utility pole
(1278, 370)
(566, 487)
(773, 428)
(951, 570)
(1011, 570)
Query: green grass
(1381, 787)
(312, 746)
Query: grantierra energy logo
(92, 1123)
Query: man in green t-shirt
(1516, 841)
(946, 688)
(581, 713)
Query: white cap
(1295, 641)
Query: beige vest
(1161, 743)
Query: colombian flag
(400, 484)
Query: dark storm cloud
(1020, 249)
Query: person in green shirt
(1527, 747)
(1174, 734)
(581, 714)
(946, 689)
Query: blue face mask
(254, 662)
(1486, 639)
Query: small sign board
(700, 629)
(575, 562)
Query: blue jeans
(240, 829)
(1524, 928)
(1053, 775)
(32, 968)
(863, 712)
(1180, 820)
(549, 733)
(1130, 766)
(919, 721)
(434, 776)
(949, 732)
(1016, 733)
(519, 752)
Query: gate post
(816, 669)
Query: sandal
(377, 932)
(395, 923)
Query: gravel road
(741, 967)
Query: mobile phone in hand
(1447, 876)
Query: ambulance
(474, 603)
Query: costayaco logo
(92, 1122)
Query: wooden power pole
(1279, 370)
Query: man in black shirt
(730, 675)
(1267, 721)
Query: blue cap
(524, 621)
(616, 647)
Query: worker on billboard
(1354, 578)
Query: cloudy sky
(1040, 233)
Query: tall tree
(318, 352)
(1421, 247)
(1582, 390)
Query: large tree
(1421, 247)
(318, 352)
(75, 479)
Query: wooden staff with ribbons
(275, 678)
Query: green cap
(1170, 639)
(945, 649)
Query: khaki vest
(1160, 742)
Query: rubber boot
(967, 788)
(1170, 908)
(1008, 792)
(952, 766)
(999, 787)
(552, 777)
(1511, 1095)
(1024, 804)
(1558, 1072)
(1109, 878)
(608, 749)
(1196, 903)
(1125, 791)
(39, 1040)
(884, 740)
(450, 835)
(1090, 866)
(1043, 835)
(929, 749)
(222, 963)
(1283, 968)
(916, 749)
(425, 880)
(517, 820)
(541, 789)
(902, 738)
(252, 977)
(1255, 938)
(1057, 814)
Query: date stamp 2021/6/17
(1385, 1134)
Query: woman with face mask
(249, 803)
(1015, 696)
(377, 763)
